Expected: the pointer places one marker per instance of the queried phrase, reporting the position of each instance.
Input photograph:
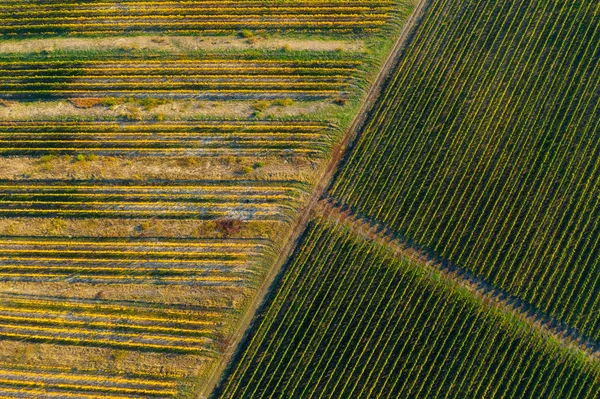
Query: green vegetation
(350, 319)
(483, 149)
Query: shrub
(86, 103)
(246, 34)
(284, 102)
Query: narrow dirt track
(338, 153)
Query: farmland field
(101, 17)
(483, 150)
(352, 320)
(299, 199)
(204, 75)
(154, 156)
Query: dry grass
(57, 227)
(100, 359)
(217, 297)
(173, 110)
(143, 168)
(177, 43)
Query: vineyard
(352, 320)
(483, 150)
(100, 17)
(205, 76)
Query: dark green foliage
(349, 320)
(484, 149)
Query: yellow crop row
(236, 262)
(260, 24)
(99, 306)
(104, 342)
(175, 254)
(16, 270)
(128, 318)
(93, 277)
(224, 262)
(161, 204)
(44, 393)
(220, 151)
(278, 78)
(198, 18)
(171, 61)
(106, 325)
(262, 93)
(183, 70)
(244, 190)
(126, 314)
(144, 141)
(131, 213)
(226, 135)
(97, 32)
(246, 125)
(85, 379)
(151, 85)
(173, 138)
(225, 243)
(130, 3)
(97, 388)
(128, 189)
(53, 331)
(206, 196)
(226, 10)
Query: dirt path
(338, 154)
(489, 294)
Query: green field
(351, 320)
(483, 149)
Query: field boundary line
(363, 226)
(304, 214)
